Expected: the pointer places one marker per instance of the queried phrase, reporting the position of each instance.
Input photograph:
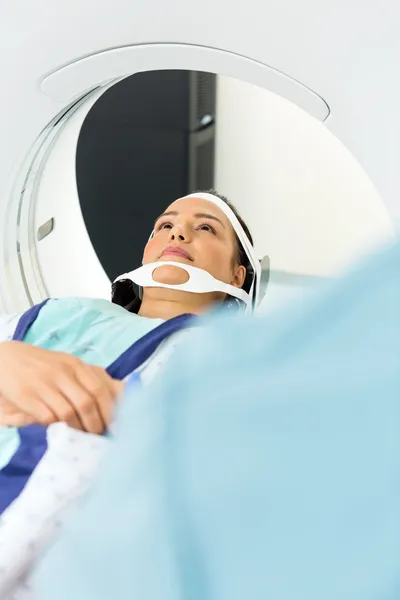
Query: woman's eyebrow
(207, 216)
(174, 213)
(170, 213)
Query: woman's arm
(42, 386)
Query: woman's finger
(83, 402)
(29, 403)
(103, 388)
(17, 419)
(58, 402)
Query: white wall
(308, 202)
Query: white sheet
(35, 517)
(8, 325)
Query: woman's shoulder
(75, 314)
(83, 304)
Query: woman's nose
(178, 233)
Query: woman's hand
(43, 386)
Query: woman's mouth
(175, 251)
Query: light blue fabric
(96, 331)
(9, 442)
(265, 465)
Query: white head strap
(201, 281)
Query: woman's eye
(207, 227)
(164, 226)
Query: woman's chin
(170, 275)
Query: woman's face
(195, 232)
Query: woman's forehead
(191, 207)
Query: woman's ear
(239, 276)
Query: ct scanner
(337, 61)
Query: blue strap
(33, 438)
(141, 350)
(15, 475)
(27, 319)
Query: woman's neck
(168, 305)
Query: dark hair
(241, 256)
(124, 292)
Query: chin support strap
(199, 282)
